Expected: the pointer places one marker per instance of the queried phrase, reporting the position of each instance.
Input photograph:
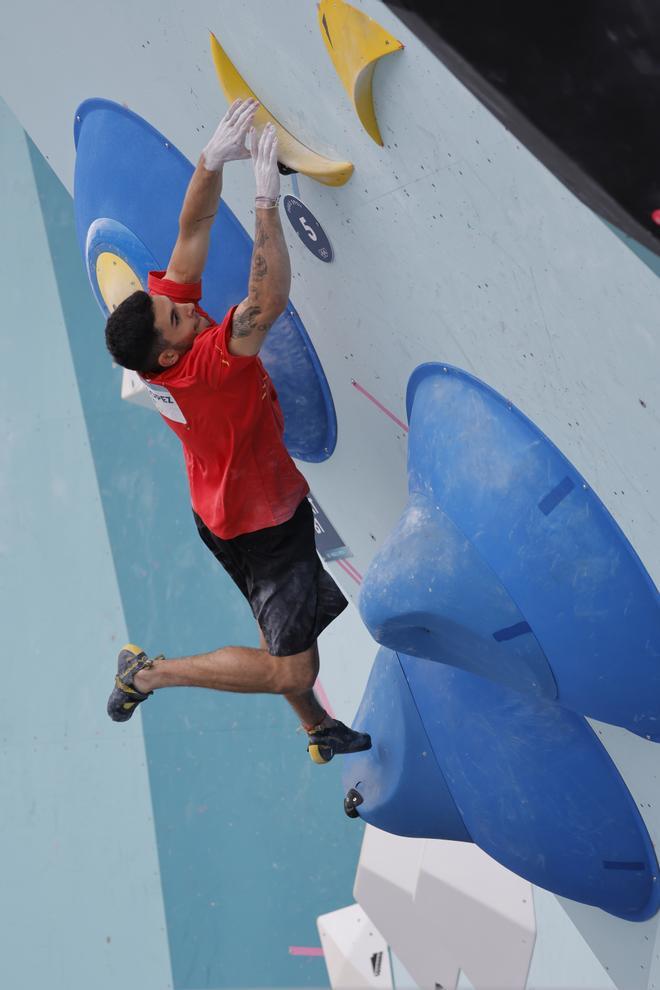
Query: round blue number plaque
(308, 229)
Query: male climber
(248, 497)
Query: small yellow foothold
(291, 152)
(355, 42)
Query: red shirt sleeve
(214, 363)
(181, 292)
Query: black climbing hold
(352, 802)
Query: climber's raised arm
(270, 273)
(202, 198)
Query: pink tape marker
(372, 398)
(351, 573)
(352, 570)
(304, 950)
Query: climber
(248, 497)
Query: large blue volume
(129, 187)
(506, 564)
(457, 756)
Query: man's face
(179, 324)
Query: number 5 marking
(309, 230)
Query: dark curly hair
(131, 335)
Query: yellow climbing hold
(355, 43)
(116, 279)
(291, 152)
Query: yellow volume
(355, 43)
(291, 152)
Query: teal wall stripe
(252, 840)
(69, 890)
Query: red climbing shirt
(225, 411)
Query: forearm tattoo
(252, 318)
(261, 238)
(243, 325)
(259, 267)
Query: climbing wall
(438, 237)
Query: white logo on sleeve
(165, 403)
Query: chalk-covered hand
(264, 159)
(228, 142)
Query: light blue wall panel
(72, 792)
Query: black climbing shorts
(292, 596)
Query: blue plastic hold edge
(431, 368)
(652, 905)
(639, 717)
